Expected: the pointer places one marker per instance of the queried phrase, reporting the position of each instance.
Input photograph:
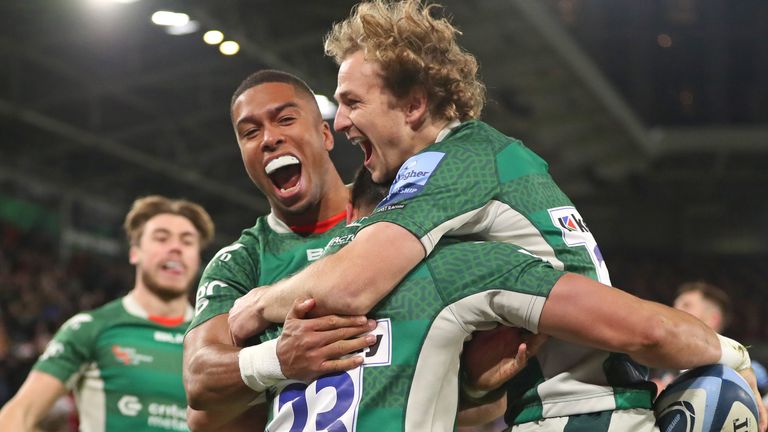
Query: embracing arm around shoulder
(353, 280)
(586, 312)
(31, 403)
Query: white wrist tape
(733, 354)
(259, 366)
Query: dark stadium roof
(652, 115)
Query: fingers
(300, 308)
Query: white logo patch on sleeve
(576, 233)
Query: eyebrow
(271, 112)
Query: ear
(133, 255)
(416, 108)
(327, 136)
(351, 213)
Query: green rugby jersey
(124, 369)
(409, 380)
(479, 182)
(265, 253)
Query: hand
(492, 357)
(246, 318)
(749, 376)
(311, 347)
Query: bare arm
(586, 312)
(255, 418)
(354, 279)
(31, 403)
(212, 371)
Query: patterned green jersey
(124, 369)
(479, 182)
(265, 253)
(409, 380)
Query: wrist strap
(259, 366)
(733, 354)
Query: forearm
(212, 379)
(15, 418)
(678, 340)
(482, 414)
(352, 281)
(583, 311)
(228, 419)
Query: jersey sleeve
(454, 187)
(230, 274)
(70, 350)
(488, 282)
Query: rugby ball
(707, 399)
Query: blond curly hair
(413, 49)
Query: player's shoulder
(94, 320)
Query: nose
(272, 138)
(341, 122)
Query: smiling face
(284, 144)
(167, 255)
(371, 116)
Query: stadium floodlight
(327, 107)
(229, 48)
(213, 37)
(178, 30)
(168, 18)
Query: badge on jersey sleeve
(576, 233)
(411, 178)
(331, 402)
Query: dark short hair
(271, 76)
(711, 293)
(365, 192)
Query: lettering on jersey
(314, 254)
(337, 243)
(129, 406)
(328, 404)
(174, 338)
(224, 255)
(576, 234)
(203, 292)
(380, 353)
(411, 179)
(53, 349)
(78, 320)
(167, 416)
(129, 356)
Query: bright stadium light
(213, 37)
(168, 18)
(229, 48)
(327, 107)
(178, 30)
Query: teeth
(357, 140)
(173, 265)
(280, 162)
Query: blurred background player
(712, 305)
(125, 357)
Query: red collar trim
(166, 321)
(319, 227)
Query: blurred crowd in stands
(39, 290)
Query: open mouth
(365, 146)
(284, 172)
(174, 267)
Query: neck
(156, 306)
(333, 201)
(427, 134)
